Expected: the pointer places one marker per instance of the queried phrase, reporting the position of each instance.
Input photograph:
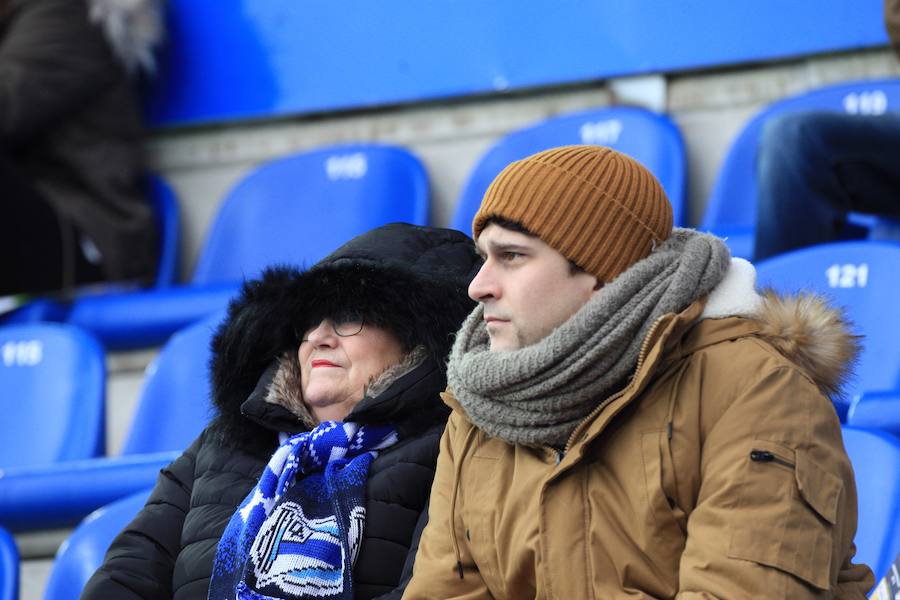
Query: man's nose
(484, 286)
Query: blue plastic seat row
(294, 209)
(57, 370)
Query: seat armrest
(61, 494)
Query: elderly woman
(312, 480)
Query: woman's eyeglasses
(345, 326)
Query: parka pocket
(786, 510)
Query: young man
(630, 419)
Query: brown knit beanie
(600, 209)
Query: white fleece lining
(736, 295)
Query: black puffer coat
(410, 279)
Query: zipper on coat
(766, 456)
(641, 356)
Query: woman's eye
(511, 255)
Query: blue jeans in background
(815, 167)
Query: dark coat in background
(411, 280)
(70, 124)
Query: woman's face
(335, 369)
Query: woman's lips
(322, 363)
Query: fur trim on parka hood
(412, 280)
(804, 328)
(813, 335)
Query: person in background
(312, 479)
(815, 167)
(630, 418)
(72, 208)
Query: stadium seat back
(861, 277)
(9, 567)
(52, 384)
(875, 456)
(876, 410)
(731, 209)
(165, 208)
(651, 138)
(295, 210)
(175, 404)
(82, 553)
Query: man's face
(526, 286)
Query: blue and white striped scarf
(297, 534)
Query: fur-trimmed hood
(412, 280)
(804, 328)
(813, 335)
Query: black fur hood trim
(412, 280)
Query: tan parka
(719, 472)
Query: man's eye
(511, 255)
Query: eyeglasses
(343, 326)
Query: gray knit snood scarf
(538, 395)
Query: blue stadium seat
(148, 317)
(875, 456)
(297, 209)
(651, 138)
(9, 567)
(168, 223)
(82, 553)
(176, 393)
(876, 410)
(52, 382)
(862, 277)
(293, 210)
(731, 209)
